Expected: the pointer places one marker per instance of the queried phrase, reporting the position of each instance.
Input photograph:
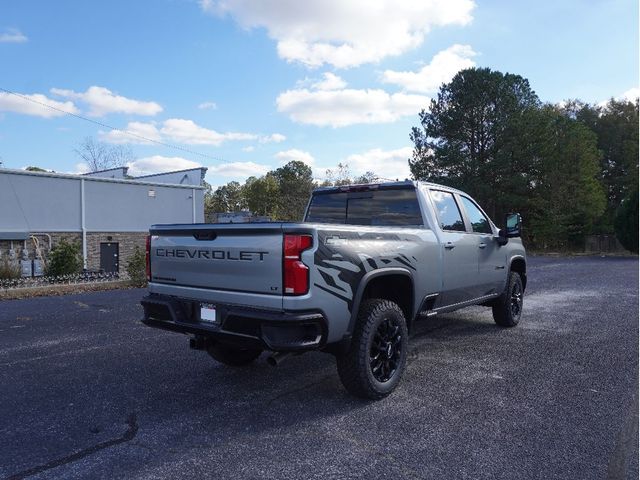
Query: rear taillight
(147, 258)
(295, 273)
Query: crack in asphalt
(127, 436)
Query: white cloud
(444, 65)
(631, 94)
(343, 33)
(339, 108)
(387, 164)
(287, 156)
(239, 170)
(250, 148)
(159, 164)
(273, 138)
(208, 106)
(81, 168)
(330, 82)
(188, 132)
(181, 131)
(102, 101)
(12, 35)
(136, 132)
(26, 104)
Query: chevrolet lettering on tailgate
(245, 255)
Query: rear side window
(448, 212)
(378, 208)
(479, 223)
(327, 208)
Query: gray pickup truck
(350, 280)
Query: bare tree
(367, 177)
(340, 176)
(100, 156)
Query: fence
(74, 279)
(603, 244)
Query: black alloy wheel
(386, 350)
(507, 308)
(516, 300)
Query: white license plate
(208, 313)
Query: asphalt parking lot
(86, 391)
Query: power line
(104, 125)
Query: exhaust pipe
(277, 358)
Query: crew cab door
(459, 251)
(491, 257)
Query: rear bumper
(242, 326)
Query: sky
(242, 87)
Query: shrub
(626, 222)
(137, 268)
(9, 270)
(64, 259)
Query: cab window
(394, 207)
(448, 212)
(479, 222)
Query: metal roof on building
(147, 179)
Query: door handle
(449, 246)
(482, 245)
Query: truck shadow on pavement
(305, 386)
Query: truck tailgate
(245, 258)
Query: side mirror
(514, 225)
(502, 238)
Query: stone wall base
(126, 241)
(15, 249)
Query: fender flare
(524, 275)
(364, 281)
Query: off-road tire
(231, 355)
(507, 308)
(356, 366)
